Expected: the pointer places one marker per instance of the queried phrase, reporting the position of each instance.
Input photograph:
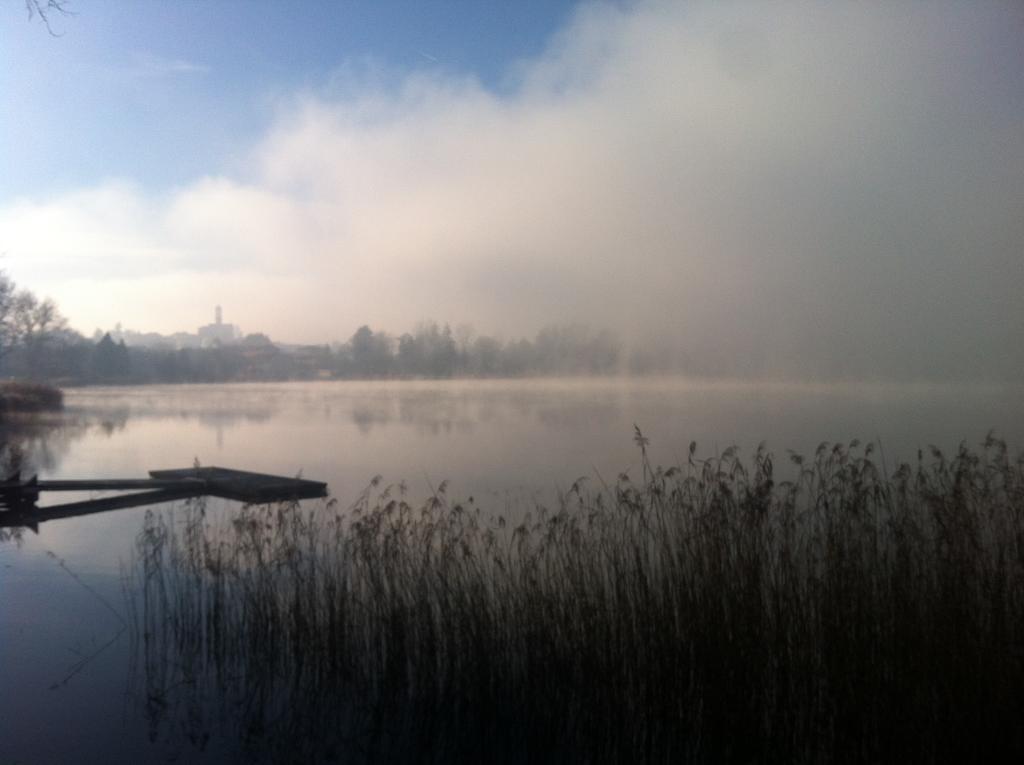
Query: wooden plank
(244, 486)
(16, 493)
(19, 496)
(36, 515)
(117, 484)
(15, 484)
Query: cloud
(111, 230)
(151, 65)
(785, 190)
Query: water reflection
(202, 404)
(703, 614)
(31, 443)
(504, 443)
(488, 435)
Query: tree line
(30, 328)
(435, 351)
(36, 343)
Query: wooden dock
(243, 486)
(18, 497)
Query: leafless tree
(35, 320)
(7, 301)
(26, 322)
(45, 9)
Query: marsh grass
(701, 613)
(29, 397)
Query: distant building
(218, 333)
(208, 336)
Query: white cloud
(151, 65)
(787, 188)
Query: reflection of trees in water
(210, 417)
(371, 412)
(575, 417)
(39, 443)
(437, 414)
(219, 418)
(430, 413)
(443, 412)
(33, 443)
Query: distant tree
(464, 334)
(408, 355)
(256, 340)
(110, 360)
(38, 325)
(430, 352)
(447, 354)
(518, 358)
(7, 326)
(371, 353)
(574, 349)
(28, 325)
(484, 357)
(36, 321)
(436, 350)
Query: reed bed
(18, 396)
(707, 612)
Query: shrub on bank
(29, 397)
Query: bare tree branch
(43, 9)
(26, 322)
(7, 332)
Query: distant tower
(218, 332)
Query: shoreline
(17, 397)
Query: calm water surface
(65, 662)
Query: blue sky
(814, 188)
(161, 92)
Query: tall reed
(23, 396)
(701, 613)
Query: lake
(71, 688)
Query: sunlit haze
(511, 381)
(782, 189)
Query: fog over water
(508, 444)
(783, 190)
(796, 224)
